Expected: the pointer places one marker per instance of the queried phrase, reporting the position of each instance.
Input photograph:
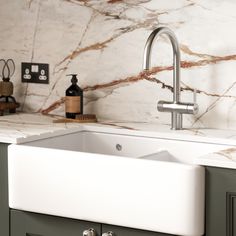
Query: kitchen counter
(23, 127)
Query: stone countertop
(225, 158)
(23, 127)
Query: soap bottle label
(72, 104)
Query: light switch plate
(34, 73)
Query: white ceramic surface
(84, 176)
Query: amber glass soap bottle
(74, 99)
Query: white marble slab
(22, 127)
(226, 158)
(103, 42)
(25, 125)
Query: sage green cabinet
(123, 231)
(220, 202)
(4, 209)
(32, 224)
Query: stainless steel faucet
(176, 107)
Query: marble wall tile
(103, 41)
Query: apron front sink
(133, 181)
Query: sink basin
(139, 182)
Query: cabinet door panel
(231, 214)
(220, 202)
(123, 231)
(31, 224)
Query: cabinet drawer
(32, 224)
(123, 231)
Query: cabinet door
(123, 231)
(220, 202)
(4, 209)
(32, 224)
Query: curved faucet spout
(176, 57)
(176, 107)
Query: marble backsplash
(103, 41)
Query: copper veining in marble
(103, 42)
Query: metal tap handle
(109, 233)
(194, 96)
(195, 105)
(89, 232)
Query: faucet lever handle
(194, 96)
(194, 105)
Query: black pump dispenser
(74, 79)
(74, 99)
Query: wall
(103, 41)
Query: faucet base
(176, 120)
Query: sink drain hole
(118, 147)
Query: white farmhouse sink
(126, 180)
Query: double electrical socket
(35, 73)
